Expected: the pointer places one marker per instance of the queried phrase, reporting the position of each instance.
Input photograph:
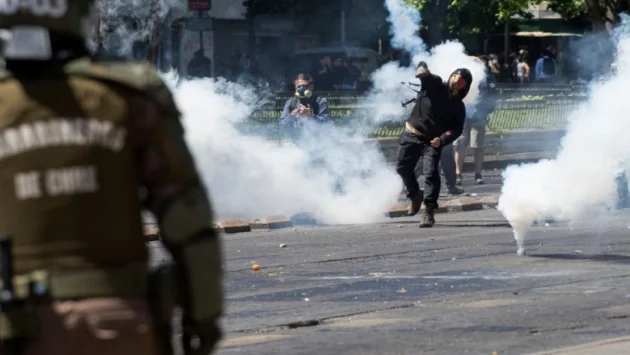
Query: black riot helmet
(459, 82)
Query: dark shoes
(427, 220)
(478, 180)
(415, 204)
(454, 190)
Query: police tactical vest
(68, 166)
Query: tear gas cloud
(442, 60)
(332, 171)
(122, 33)
(591, 52)
(580, 181)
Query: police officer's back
(78, 140)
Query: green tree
(601, 13)
(471, 16)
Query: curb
(501, 149)
(588, 348)
(272, 222)
(462, 204)
(232, 226)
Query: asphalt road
(459, 288)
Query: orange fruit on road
(255, 267)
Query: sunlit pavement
(459, 288)
(455, 289)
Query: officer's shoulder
(139, 76)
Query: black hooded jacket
(436, 113)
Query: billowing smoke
(441, 60)
(580, 181)
(331, 171)
(125, 23)
(326, 173)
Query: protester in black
(436, 120)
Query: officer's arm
(177, 197)
(456, 130)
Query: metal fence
(534, 106)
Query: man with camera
(436, 120)
(304, 106)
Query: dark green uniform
(78, 147)
(71, 163)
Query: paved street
(459, 288)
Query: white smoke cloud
(441, 60)
(405, 24)
(332, 172)
(250, 176)
(131, 21)
(580, 181)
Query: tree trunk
(605, 17)
(595, 13)
(434, 14)
(435, 32)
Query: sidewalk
(610, 346)
(502, 149)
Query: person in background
(352, 74)
(495, 66)
(199, 66)
(323, 75)
(474, 132)
(513, 67)
(310, 107)
(546, 67)
(338, 73)
(522, 70)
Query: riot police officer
(78, 139)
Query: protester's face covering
(303, 88)
(459, 82)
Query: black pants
(411, 148)
(447, 162)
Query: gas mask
(303, 94)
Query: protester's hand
(421, 70)
(295, 112)
(306, 111)
(436, 142)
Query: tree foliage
(466, 16)
(599, 12)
